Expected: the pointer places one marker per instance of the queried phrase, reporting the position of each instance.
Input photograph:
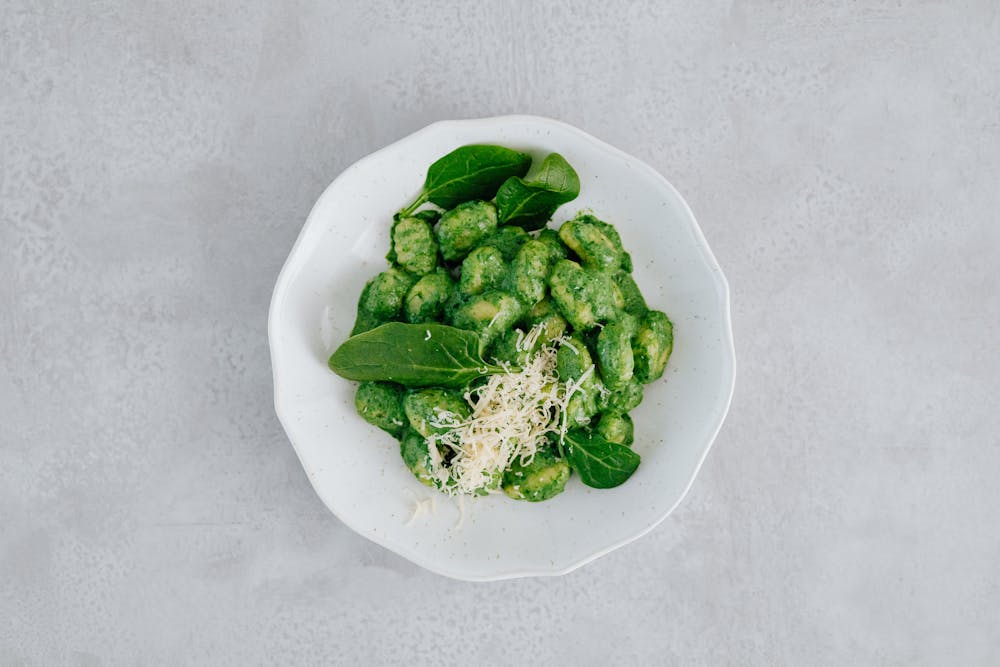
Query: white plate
(356, 469)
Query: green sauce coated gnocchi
(561, 300)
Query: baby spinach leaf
(470, 172)
(531, 203)
(556, 174)
(600, 463)
(414, 355)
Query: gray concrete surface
(158, 159)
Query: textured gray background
(156, 163)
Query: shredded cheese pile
(511, 414)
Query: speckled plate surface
(356, 469)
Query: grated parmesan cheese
(461, 513)
(420, 507)
(527, 341)
(511, 415)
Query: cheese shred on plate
(511, 415)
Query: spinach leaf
(531, 203)
(414, 355)
(601, 464)
(469, 172)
